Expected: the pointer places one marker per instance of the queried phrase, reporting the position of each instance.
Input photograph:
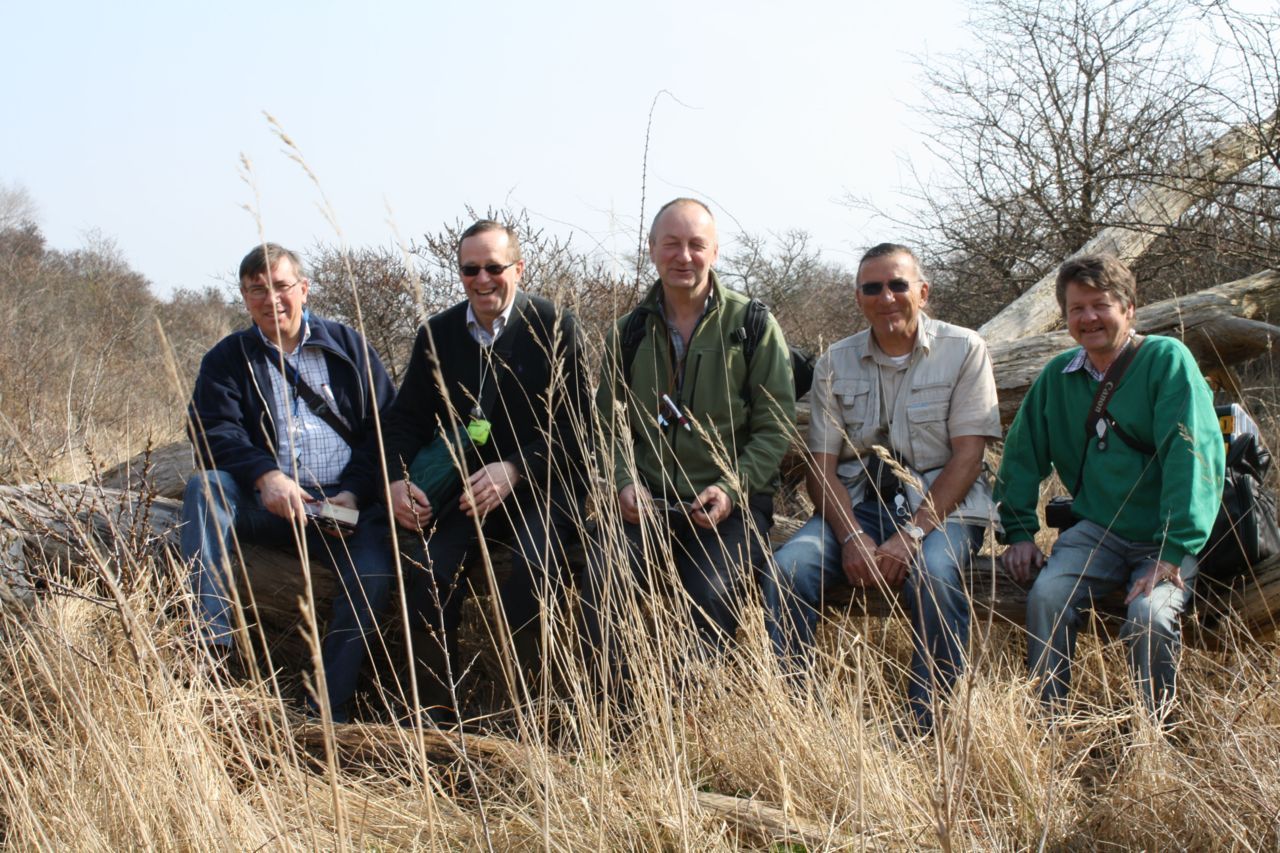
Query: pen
(675, 410)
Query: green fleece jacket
(1162, 401)
(734, 443)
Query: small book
(332, 515)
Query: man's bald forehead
(677, 203)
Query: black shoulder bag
(317, 404)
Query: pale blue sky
(131, 117)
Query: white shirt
(479, 334)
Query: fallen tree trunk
(161, 470)
(1036, 310)
(66, 523)
(381, 746)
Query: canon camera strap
(1097, 422)
(317, 404)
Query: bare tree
(1058, 122)
(811, 299)
(387, 291)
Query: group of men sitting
(691, 419)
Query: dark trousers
(536, 531)
(711, 565)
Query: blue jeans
(810, 561)
(217, 512)
(1088, 561)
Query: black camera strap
(1098, 421)
(317, 404)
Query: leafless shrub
(1060, 116)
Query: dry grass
(114, 734)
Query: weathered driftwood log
(1223, 326)
(1036, 310)
(71, 522)
(1254, 600)
(388, 746)
(162, 470)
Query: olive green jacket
(733, 441)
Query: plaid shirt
(1081, 362)
(309, 450)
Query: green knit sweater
(1163, 402)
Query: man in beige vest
(901, 414)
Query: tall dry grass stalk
(115, 732)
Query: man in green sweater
(693, 430)
(1145, 478)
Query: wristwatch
(913, 531)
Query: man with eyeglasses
(499, 377)
(278, 416)
(901, 414)
(698, 425)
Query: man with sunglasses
(278, 415)
(697, 429)
(901, 414)
(499, 376)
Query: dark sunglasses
(896, 285)
(470, 270)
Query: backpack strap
(753, 327)
(633, 331)
(749, 334)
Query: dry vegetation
(116, 733)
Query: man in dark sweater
(268, 455)
(500, 376)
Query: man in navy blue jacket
(278, 416)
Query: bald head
(683, 246)
(677, 202)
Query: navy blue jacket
(230, 420)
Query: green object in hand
(434, 472)
(478, 429)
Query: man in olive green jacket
(693, 431)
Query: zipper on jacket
(684, 407)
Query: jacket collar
(926, 333)
(320, 334)
(653, 299)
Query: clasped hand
(866, 564)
